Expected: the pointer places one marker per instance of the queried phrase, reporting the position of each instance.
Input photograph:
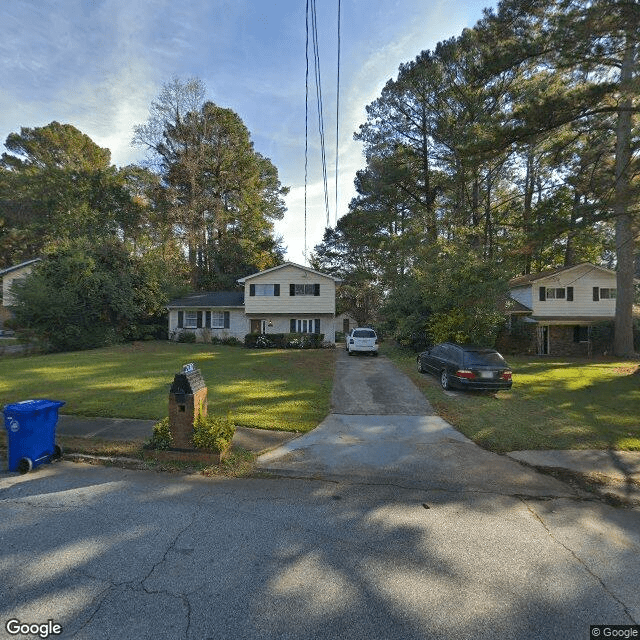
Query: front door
(257, 326)
(543, 341)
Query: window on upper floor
(304, 289)
(556, 293)
(264, 289)
(604, 293)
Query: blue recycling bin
(31, 433)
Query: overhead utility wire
(316, 56)
(306, 130)
(337, 116)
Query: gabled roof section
(15, 267)
(288, 264)
(530, 278)
(209, 299)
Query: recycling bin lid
(29, 406)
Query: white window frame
(608, 293)
(306, 325)
(304, 289)
(552, 293)
(191, 319)
(265, 290)
(217, 319)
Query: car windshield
(484, 359)
(364, 333)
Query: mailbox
(187, 401)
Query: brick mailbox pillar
(187, 400)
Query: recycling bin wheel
(25, 465)
(57, 452)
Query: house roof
(530, 278)
(209, 299)
(513, 306)
(15, 267)
(288, 264)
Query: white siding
(325, 303)
(282, 324)
(583, 279)
(238, 324)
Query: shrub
(161, 438)
(187, 336)
(284, 340)
(213, 433)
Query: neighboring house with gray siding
(288, 298)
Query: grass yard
(554, 404)
(270, 389)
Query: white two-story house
(561, 307)
(288, 298)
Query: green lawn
(286, 390)
(554, 404)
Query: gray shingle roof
(210, 299)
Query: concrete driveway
(382, 429)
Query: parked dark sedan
(466, 367)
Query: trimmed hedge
(284, 340)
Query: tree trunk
(623, 340)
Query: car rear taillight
(465, 373)
(506, 375)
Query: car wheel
(444, 379)
(350, 352)
(375, 354)
(420, 369)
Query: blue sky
(98, 64)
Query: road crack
(579, 560)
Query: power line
(306, 130)
(337, 115)
(316, 58)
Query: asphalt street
(460, 547)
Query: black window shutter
(180, 319)
(199, 322)
(276, 289)
(543, 294)
(316, 289)
(292, 289)
(576, 333)
(227, 320)
(208, 320)
(252, 289)
(292, 325)
(596, 294)
(316, 328)
(570, 294)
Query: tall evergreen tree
(224, 195)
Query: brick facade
(187, 401)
